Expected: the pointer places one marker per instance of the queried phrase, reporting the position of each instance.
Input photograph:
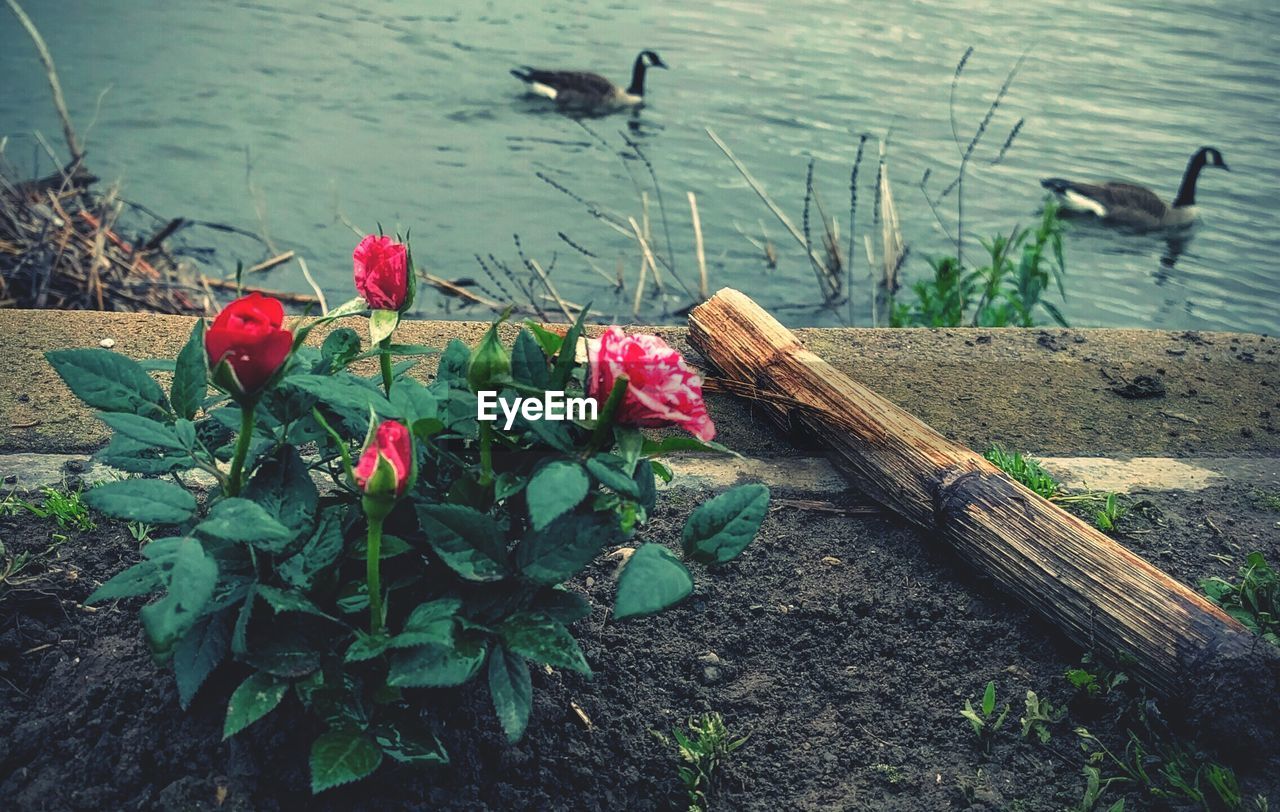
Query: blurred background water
(288, 116)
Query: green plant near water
(1008, 290)
(702, 751)
(1040, 714)
(1253, 599)
(984, 720)
(64, 507)
(1025, 470)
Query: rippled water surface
(402, 112)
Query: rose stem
(242, 448)
(373, 575)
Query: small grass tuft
(65, 507)
(1025, 470)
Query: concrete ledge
(1056, 392)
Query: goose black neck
(1187, 191)
(637, 77)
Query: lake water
(401, 112)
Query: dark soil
(845, 647)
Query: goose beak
(1224, 166)
(660, 64)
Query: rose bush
(279, 582)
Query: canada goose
(586, 90)
(1132, 205)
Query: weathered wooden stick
(1223, 679)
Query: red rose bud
(386, 462)
(247, 335)
(663, 390)
(382, 272)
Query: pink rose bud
(387, 461)
(382, 272)
(663, 389)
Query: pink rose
(663, 389)
(382, 272)
(387, 460)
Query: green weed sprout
(703, 750)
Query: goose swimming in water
(1137, 206)
(581, 89)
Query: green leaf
(469, 542)
(453, 364)
(367, 647)
(143, 430)
(652, 580)
(410, 748)
(199, 652)
(680, 442)
(238, 519)
(512, 690)
(507, 485)
(339, 348)
(436, 666)
(255, 698)
(722, 527)
(190, 375)
(109, 381)
(318, 553)
(412, 402)
(564, 547)
(565, 361)
(340, 757)
(562, 605)
(283, 487)
(528, 363)
(189, 576)
(136, 458)
(153, 501)
(142, 578)
(431, 623)
(554, 489)
(611, 471)
(382, 323)
(646, 485)
(548, 340)
(285, 644)
(281, 600)
(343, 391)
(543, 639)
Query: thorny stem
(242, 448)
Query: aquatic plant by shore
(1020, 270)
